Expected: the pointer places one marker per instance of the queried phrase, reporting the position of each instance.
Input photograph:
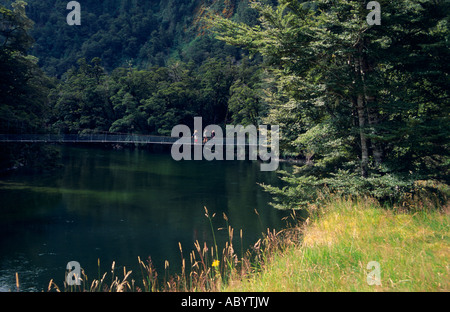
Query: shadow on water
(116, 205)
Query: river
(116, 205)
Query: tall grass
(207, 268)
(329, 251)
(412, 248)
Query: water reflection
(118, 205)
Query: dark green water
(118, 205)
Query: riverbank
(349, 245)
(345, 246)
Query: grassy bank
(345, 245)
(412, 249)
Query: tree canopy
(366, 106)
(23, 89)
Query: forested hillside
(141, 66)
(131, 66)
(119, 32)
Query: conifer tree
(370, 102)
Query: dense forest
(365, 107)
(139, 67)
(122, 32)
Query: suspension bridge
(107, 138)
(87, 138)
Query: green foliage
(366, 107)
(148, 33)
(151, 101)
(142, 67)
(82, 103)
(23, 89)
(246, 102)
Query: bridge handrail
(118, 138)
(103, 138)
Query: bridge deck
(98, 138)
(86, 138)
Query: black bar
(228, 301)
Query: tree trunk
(374, 119)
(370, 102)
(362, 124)
(360, 68)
